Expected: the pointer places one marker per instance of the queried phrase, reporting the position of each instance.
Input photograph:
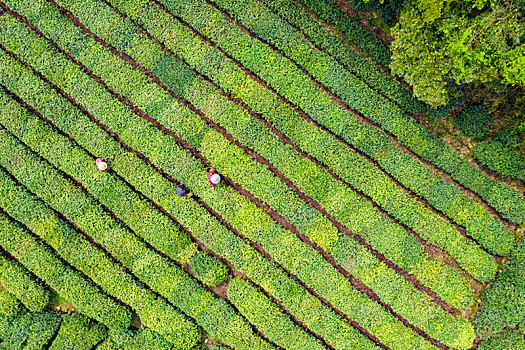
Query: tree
(440, 43)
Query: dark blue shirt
(181, 191)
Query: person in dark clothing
(182, 191)
(1, 12)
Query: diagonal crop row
(147, 265)
(77, 332)
(351, 167)
(296, 298)
(325, 40)
(20, 282)
(259, 309)
(155, 312)
(291, 83)
(459, 207)
(353, 91)
(71, 284)
(258, 136)
(42, 139)
(356, 95)
(353, 300)
(352, 30)
(421, 319)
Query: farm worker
(1, 12)
(182, 191)
(213, 177)
(102, 164)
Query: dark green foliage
(9, 308)
(135, 340)
(23, 284)
(494, 155)
(502, 303)
(353, 31)
(508, 340)
(77, 332)
(45, 264)
(31, 331)
(70, 244)
(221, 154)
(473, 121)
(208, 268)
(276, 325)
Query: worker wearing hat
(102, 164)
(213, 177)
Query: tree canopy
(439, 43)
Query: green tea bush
(77, 332)
(208, 268)
(45, 264)
(9, 308)
(473, 121)
(217, 319)
(31, 330)
(23, 284)
(502, 303)
(494, 236)
(494, 155)
(71, 245)
(276, 325)
(141, 339)
(511, 339)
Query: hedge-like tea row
(27, 288)
(140, 260)
(280, 73)
(356, 64)
(77, 332)
(9, 308)
(155, 312)
(348, 165)
(344, 296)
(216, 146)
(358, 96)
(304, 305)
(502, 304)
(208, 268)
(30, 330)
(352, 30)
(496, 156)
(45, 264)
(280, 196)
(141, 339)
(353, 91)
(260, 310)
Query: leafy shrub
(31, 330)
(502, 304)
(260, 310)
(142, 339)
(77, 332)
(23, 284)
(9, 307)
(496, 156)
(208, 268)
(473, 121)
(45, 264)
(508, 340)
